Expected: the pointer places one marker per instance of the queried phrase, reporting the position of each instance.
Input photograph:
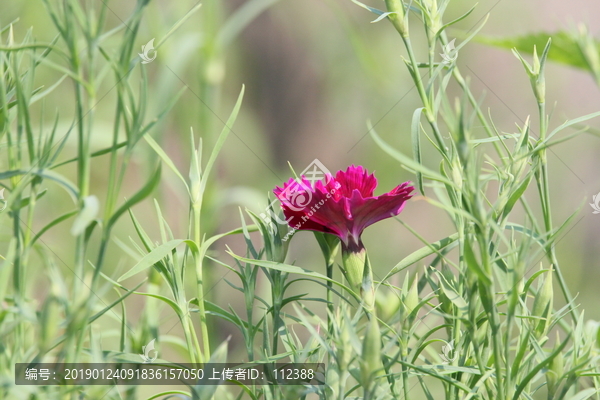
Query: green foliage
(576, 49)
(470, 320)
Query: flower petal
(343, 205)
(356, 177)
(367, 211)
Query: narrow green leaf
(41, 95)
(166, 159)
(94, 154)
(465, 15)
(42, 173)
(407, 162)
(433, 373)
(152, 258)
(214, 309)
(219, 356)
(475, 266)
(146, 241)
(515, 196)
(573, 122)
(166, 300)
(207, 243)
(221, 140)
(114, 303)
(535, 370)
(291, 269)
(170, 393)
(366, 7)
(451, 293)
(584, 394)
(383, 16)
(139, 196)
(53, 223)
(415, 130)
(178, 24)
(27, 200)
(565, 48)
(420, 254)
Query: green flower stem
(493, 318)
(544, 188)
(476, 347)
(473, 101)
(329, 266)
(249, 295)
(196, 209)
(83, 181)
(188, 330)
(83, 99)
(429, 112)
(329, 245)
(405, 369)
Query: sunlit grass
(478, 321)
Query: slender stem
(415, 72)
(429, 112)
(330, 298)
(486, 125)
(196, 209)
(545, 196)
(249, 290)
(405, 387)
(82, 170)
(189, 334)
(493, 318)
(83, 179)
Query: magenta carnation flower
(343, 205)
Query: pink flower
(343, 205)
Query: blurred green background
(315, 71)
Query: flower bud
(397, 18)
(50, 314)
(542, 305)
(536, 72)
(354, 258)
(371, 365)
(387, 304)
(344, 345)
(411, 298)
(195, 173)
(555, 370)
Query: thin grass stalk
(414, 66)
(544, 187)
(493, 317)
(197, 210)
(330, 309)
(184, 317)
